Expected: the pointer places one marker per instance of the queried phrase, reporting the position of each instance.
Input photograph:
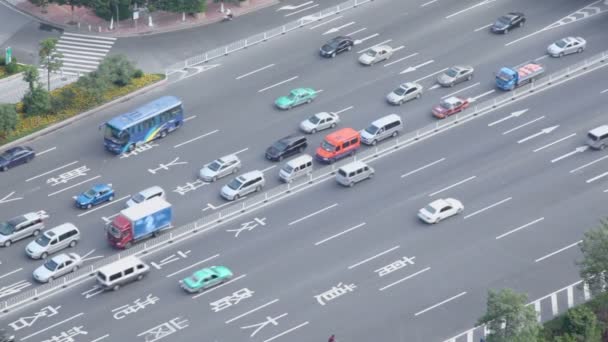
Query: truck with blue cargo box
(511, 78)
(139, 222)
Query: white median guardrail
(259, 201)
(262, 37)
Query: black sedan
(508, 22)
(16, 156)
(336, 46)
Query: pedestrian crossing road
(82, 53)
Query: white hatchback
(440, 209)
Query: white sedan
(319, 121)
(566, 46)
(376, 54)
(58, 266)
(440, 210)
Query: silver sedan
(455, 74)
(58, 266)
(319, 121)
(406, 92)
(220, 167)
(566, 46)
(376, 54)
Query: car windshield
(279, 145)
(451, 72)
(287, 168)
(589, 135)
(327, 146)
(6, 156)
(429, 209)
(6, 228)
(314, 119)
(116, 136)
(371, 53)
(235, 184)
(445, 104)
(333, 44)
(90, 193)
(195, 278)
(291, 97)
(214, 166)
(503, 76)
(400, 91)
(138, 198)
(560, 43)
(504, 20)
(43, 240)
(371, 129)
(50, 265)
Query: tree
(509, 319)
(93, 86)
(31, 76)
(8, 118)
(116, 69)
(72, 3)
(594, 265)
(37, 102)
(582, 325)
(50, 58)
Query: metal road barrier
(261, 200)
(262, 37)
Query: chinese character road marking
(248, 226)
(68, 176)
(68, 336)
(260, 326)
(14, 288)
(335, 292)
(184, 189)
(400, 263)
(139, 149)
(233, 299)
(170, 258)
(164, 329)
(166, 166)
(28, 321)
(125, 310)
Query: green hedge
(557, 327)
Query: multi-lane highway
(525, 194)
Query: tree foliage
(50, 58)
(594, 265)
(116, 69)
(37, 102)
(93, 86)
(31, 76)
(509, 319)
(8, 118)
(582, 324)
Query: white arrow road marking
(302, 10)
(414, 68)
(336, 29)
(325, 22)
(359, 41)
(576, 150)
(469, 8)
(401, 59)
(523, 125)
(384, 42)
(555, 142)
(293, 7)
(5, 200)
(461, 90)
(542, 131)
(510, 116)
(343, 110)
(92, 292)
(355, 32)
(434, 86)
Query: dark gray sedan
(455, 74)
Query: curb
(11, 77)
(33, 16)
(83, 115)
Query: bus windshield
(116, 136)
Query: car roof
(381, 47)
(291, 138)
(15, 149)
(204, 272)
(300, 91)
(151, 190)
(439, 203)
(62, 258)
(514, 14)
(60, 229)
(249, 175)
(571, 39)
(340, 38)
(408, 85)
(227, 159)
(386, 119)
(599, 131)
(460, 67)
(121, 264)
(100, 187)
(31, 216)
(353, 166)
(453, 99)
(323, 115)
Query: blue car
(95, 195)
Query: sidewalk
(14, 87)
(84, 20)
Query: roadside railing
(260, 200)
(261, 37)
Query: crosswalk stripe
(88, 36)
(80, 48)
(81, 56)
(83, 44)
(75, 70)
(79, 60)
(82, 52)
(76, 40)
(80, 65)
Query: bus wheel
(163, 133)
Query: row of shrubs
(9, 69)
(587, 322)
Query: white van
(354, 172)
(597, 138)
(53, 240)
(295, 168)
(146, 194)
(387, 126)
(121, 272)
(243, 185)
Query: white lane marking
(359, 41)
(241, 151)
(435, 86)
(51, 326)
(6, 200)
(524, 37)
(11, 272)
(422, 168)
(355, 32)
(384, 42)
(519, 228)
(108, 219)
(429, 75)
(540, 58)
(579, 149)
(325, 22)
(268, 168)
(254, 71)
(483, 27)
(219, 286)
(215, 207)
(453, 185)
(588, 164)
(555, 142)
(194, 139)
(398, 48)
(287, 331)
(523, 125)
(510, 116)
(542, 131)
(193, 265)
(343, 110)
(404, 279)
(428, 3)
(604, 91)
(103, 206)
(461, 90)
(440, 303)
(190, 118)
(469, 8)
(100, 338)
(251, 311)
(53, 170)
(277, 84)
(341, 233)
(488, 207)
(293, 7)
(336, 29)
(45, 151)
(414, 68)
(313, 214)
(302, 10)
(372, 257)
(72, 186)
(591, 180)
(558, 251)
(484, 94)
(401, 59)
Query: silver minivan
(597, 138)
(295, 168)
(146, 194)
(243, 185)
(53, 240)
(387, 126)
(354, 172)
(121, 272)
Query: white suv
(21, 227)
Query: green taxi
(206, 278)
(296, 97)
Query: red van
(339, 144)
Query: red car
(449, 106)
